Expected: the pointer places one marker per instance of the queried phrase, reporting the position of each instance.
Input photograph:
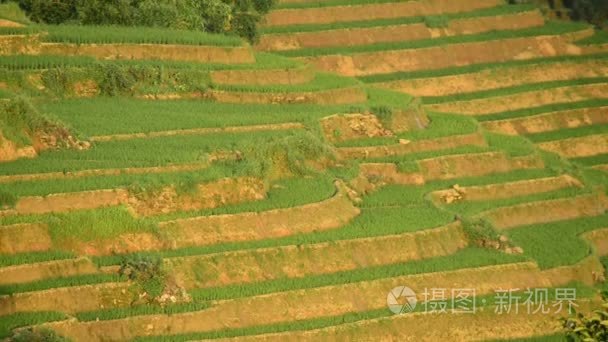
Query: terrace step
(472, 165)
(299, 75)
(599, 240)
(547, 211)
(26, 273)
(537, 98)
(446, 56)
(323, 301)
(586, 146)
(549, 122)
(475, 139)
(396, 33)
(504, 190)
(314, 259)
(334, 14)
(499, 77)
(23, 238)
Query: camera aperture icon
(401, 300)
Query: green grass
(529, 87)
(32, 62)
(322, 81)
(600, 37)
(119, 313)
(486, 12)
(555, 107)
(472, 68)
(59, 282)
(568, 133)
(593, 160)
(34, 257)
(551, 28)
(11, 11)
(78, 34)
(557, 244)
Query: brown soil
(190, 53)
(526, 100)
(301, 261)
(208, 230)
(586, 146)
(71, 201)
(547, 211)
(492, 105)
(19, 44)
(86, 88)
(601, 167)
(342, 127)
(335, 14)
(549, 122)
(472, 165)
(23, 238)
(390, 174)
(504, 190)
(103, 172)
(9, 151)
(9, 23)
(446, 56)
(209, 195)
(324, 301)
(44, 270)
(407, 147)
(263, 77)
(69, 299)
(373, 35)
(200, 131)
(333, 96)
(599, 240)
(499, 78)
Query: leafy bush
(115, 80)
(146, 272)
(592, 328)
(36, 335)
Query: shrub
(57, 80)
(115, 80)
(50, 11)
(36, 335)
(591, 328)
(147, 274)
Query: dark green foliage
(115, 80)
(50, 11)
(7, 199)
(57, 80)
(146, 272)
(589, 328)
(593, 11)
(36, 335)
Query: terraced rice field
(285, 188)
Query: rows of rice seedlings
(140, 152)
(541, 86)
(466, 258)
(568, 133)
(142, 310)
(555, 107)
(482, 302)
(328, 3)
(322, 81)
(34, 257)
(550, 28)
(40, 62)
(557, 243)
(107, 116)
(26, 30)
(472, 68)
(441, 125)
(59, 282)
(486, 12)
(600, 159)
(78, 34)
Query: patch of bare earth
(332, 96)
(407, 147)
(333, 14)
(322, 258)
(323, 301)
(209, 195)
(547, 211)
(343, 127)
(10, 151)
(27, 273)
(550, 121)
(23, 238)
(9, 23)
(71, 201)
(536, 98)
(504, 190)
(500, 77)
(396, 33)
(446, 56)
(471, 165)
(599, 240)
(586, 146)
